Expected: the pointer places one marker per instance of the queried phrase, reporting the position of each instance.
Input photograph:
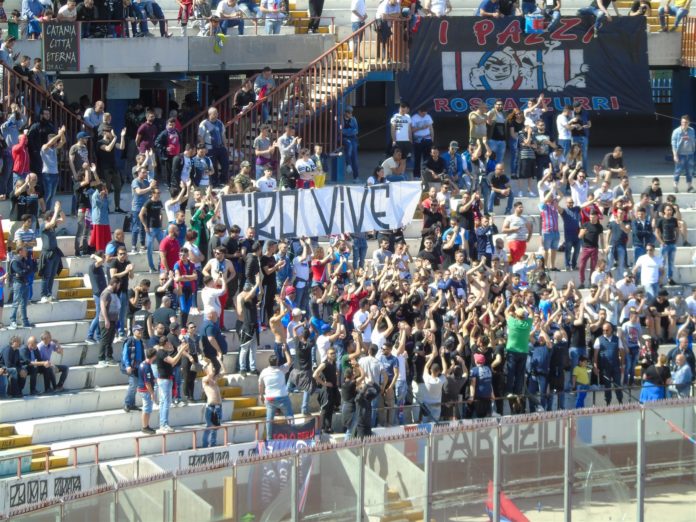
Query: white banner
(325, 211)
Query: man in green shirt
(519, 327)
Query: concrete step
(15, 441)
(54, 462)
(6, 429)
(83, 425)
(231, 392)
(49, 312)
(253, 412)
(241, 403)
(62, 330)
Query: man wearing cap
(454, 164)
(133, 355)
(349, 131)
(519, 231)
(78, 154)
(423, 138)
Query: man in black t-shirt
(106, 161)
(428, 253)
(613, 165)
(164, 315)
(151, 218)
(500, 188)
(122, 269)
(667, 233)
(435, 167)
(167, 359)
(592, 241)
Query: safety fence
(616, 463)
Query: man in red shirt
(169, 249)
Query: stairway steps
(73, 293)
(232, 392)
(244, 402)
(14, 441)
(6, 430)
(67, 283)
(254, 412)
(409, 514)
(54, 462)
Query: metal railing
(614, 462)
(689, 42)
(311, 99)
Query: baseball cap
(137, 327)
(83, 135)
(454, 145)
(325, 328)
(245, 164)
(289, 289)
(479, 358)
(297, 311)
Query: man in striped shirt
(25, 237)
(549, 229)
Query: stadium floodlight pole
(640, 467)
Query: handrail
(320, 85)
(688, 57)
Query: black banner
(61, 46)
(294, 431)
(457, 62)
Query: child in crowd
(581, 381)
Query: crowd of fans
(468, 324)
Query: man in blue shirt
(141, 189)
(211, 133)
(683, 148)
(349, 131)
(133, 355)
(390, 365)
(571, 233)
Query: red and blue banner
(457, 62)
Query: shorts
(147, 402)
(551, 240)
(405, 147)
(527, 168)
(517, 249)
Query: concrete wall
(664, 49)
(177, 54)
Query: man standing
(110, 308)
(151, 218)
(571, 233)
(211, 133)
(273, 390)
(167, 358)
(390, 366)
(519, 327)
(168, 145)
(169, 250)
(213, 403)
(401, 131)
(592, 240)
(667, 233)
(618, 241)
(140, 188)
(349, 131)
(49, 168)
(147, 133)
(21, 270)
(133, 354)
(563, 129)
(550, 234)
(608, 364)
(519, 231)
(326, 376)
(423, 138)
(106, 162)
(146, 388)
(496, 122)
(642, 232)
(651, 270)
(683, 148)
(121, 269)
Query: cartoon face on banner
(509, 69)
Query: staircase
(689, 43)
(36, 98)
(312, 98)
(32, 457)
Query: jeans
(19, 301)
(678, 13)
(278, 403)
(583, 141)
(247, 350)
(421, 150)
(306, 396)
(588, 254)
(685, 165)
(637, 252)
(50, 270)
(106, 350)
(536, 388)
(348, 414)
(82, 235)
(631, 362)
(129, 401)
(617, 253)
(610, 377)
(219, 155)
(555, 21)
(122, 314)
(582, 393)
(597, 13)
(564, 144)
(498, 146)
(350, 153)
(178, 379)
(652, 289)
(50, 182)
(154, 233)
(513, 145)
(137, 229)
(491, 201)
(575, 245)
(3, 386)
(93, 329)
(226, 24)
(359, 252)
(165, 401)
(514, 369)
(273, 26)
(668, 251)
(210, 436)
(401, 392)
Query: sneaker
(186, 401)
(520, 194)
(676, 188)
(118, 210)
(510, 396)
(102, 364)
(59, 389)
(133, 251)
(29, 325)
(13, 326)
(596, 33)
(690, 188)
(127, 409)
(90, 340)
(672, 281)
(44, 300)
(532, 194)
(540, 409)
(166, 429)
(112, 362)
(686, 244)
(148, 430)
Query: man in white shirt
(273, 389)
(230, 16)
(267, 182)
(210, 295)
(301, 271)
(579, 188)
(651, 268)
(395, 166)
(401, 131)
(563, 129)
(437, 8)
(691, 302)
(433, 381)
(423, 138)
(362, 321)
(381, 255)
(519, 231)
